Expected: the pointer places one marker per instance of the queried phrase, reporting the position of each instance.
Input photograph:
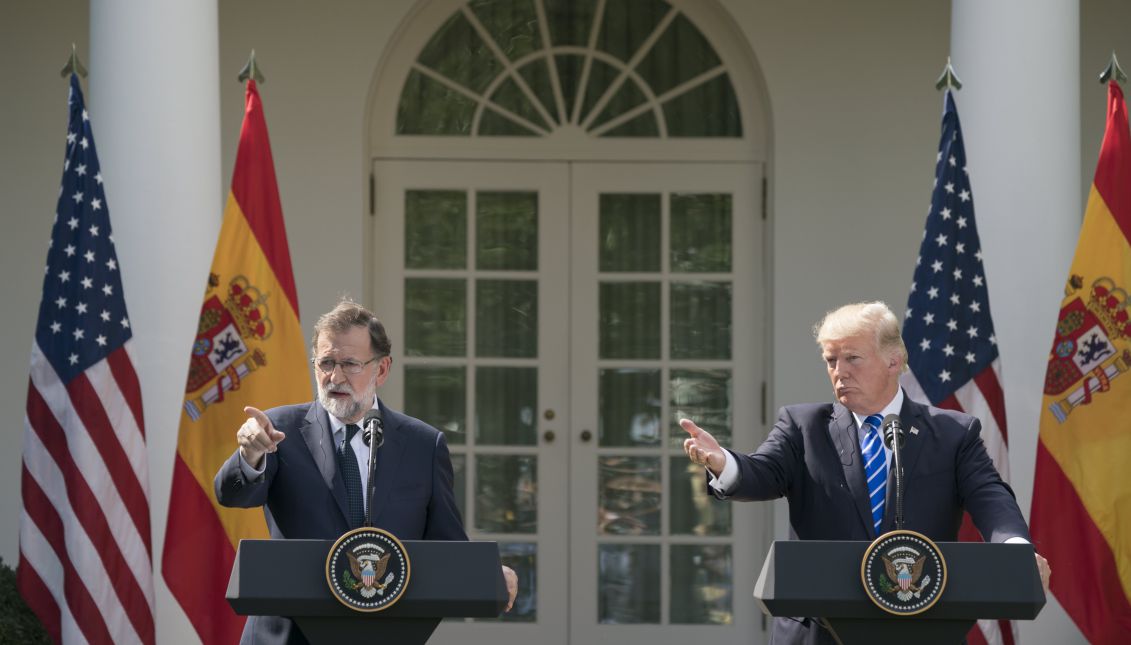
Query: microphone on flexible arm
(373, 434)
(893, 439)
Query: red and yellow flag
(1081, 519)
(249, 350)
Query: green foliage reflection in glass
(506, 493)
(435, 316)
(628, 583)
(701, 320)
(506, 231)
(435, 229)
(505, 405)
(506, 318)
(701, 232)
(528, 67)
(438, 396)
(702, 589)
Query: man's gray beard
(343, 409)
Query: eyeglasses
(327, 365)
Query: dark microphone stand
(893, 439)
(373, 434)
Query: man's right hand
(702, 448)
(257, 437)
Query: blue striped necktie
(351, 476)
(875, 467)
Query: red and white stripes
(981, 397)
(85, 545)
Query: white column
(154, 92)
(1019, 61)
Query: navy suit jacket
(812, 458)
(304, 496)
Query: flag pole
(948, 80)
(1113, 71)
(251, 70)
(73, 66)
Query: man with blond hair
(828, 460)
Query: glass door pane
(667, 290)
(471, 281)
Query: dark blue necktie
(351, 475)
(875, 467)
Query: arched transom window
(536, 68)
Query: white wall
(319, 60)
(856, 122)
(855, 125)
(1103, 29)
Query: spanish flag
(1081, 519)
(249, 350)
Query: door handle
(586, 436)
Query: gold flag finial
(948, 80)
(251, 70)
(73, 66)
(1113, 71)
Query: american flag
(85, 555)
(952, 350)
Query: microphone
(373, 434)
(893, 431)
(893, 439)
(372, 424)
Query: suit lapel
(389, 458)
(843, 430)
(910, 416)
(320, 442)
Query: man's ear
(384, 366)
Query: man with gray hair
(828, 461)
(307, 464)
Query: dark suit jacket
(812, 458)
(304, 496)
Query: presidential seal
(367, 569)
(903, 572)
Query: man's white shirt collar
(893, 407)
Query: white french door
(555, 320)
(667, 321)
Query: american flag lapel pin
(914, 430)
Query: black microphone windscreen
(893, 429)
(372, 423)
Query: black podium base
(326, 629)
(857, 631)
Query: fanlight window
(609, 68)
